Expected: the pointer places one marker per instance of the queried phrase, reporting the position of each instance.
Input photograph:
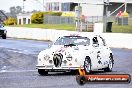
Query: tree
(37, 18)
(18, 9)
(15, 10)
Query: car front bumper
(62, 68)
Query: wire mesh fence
(87, 24)
(71, 20)
(58, 20)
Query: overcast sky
(29, 4)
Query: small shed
(24, 18)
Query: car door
(96, 53)
(103, 55)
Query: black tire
(42, 72)
(4, 36)
(110, 65)
(87, 65)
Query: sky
(29, 5)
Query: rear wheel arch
(110, 64)
(111, 56)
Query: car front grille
(57, 58)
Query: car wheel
(87, 65)
(42, 72)
(110, 65)
(4, 36)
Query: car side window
(95, 42)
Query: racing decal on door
(62, 49)
(99, 57)
(74, 34)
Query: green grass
(122, 28)
(115, 28)
(48, 26)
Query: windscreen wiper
(70, 45)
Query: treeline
(36, 18)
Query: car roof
(88, 35)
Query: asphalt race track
(17, 67)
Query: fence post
(60, 19)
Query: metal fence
(71, 20)
(89, 19)
(87, 24)
(58, 20)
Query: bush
(53, 13)
(37, 18)
(10, 21)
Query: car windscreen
(72, 40)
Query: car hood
(61, 49)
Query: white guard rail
(118, 40)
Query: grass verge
(122, 28)
(115, 28)
(48, 26)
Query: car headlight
(69, 57)
(46, 57)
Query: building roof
(24, 14)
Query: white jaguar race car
(69, 53)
